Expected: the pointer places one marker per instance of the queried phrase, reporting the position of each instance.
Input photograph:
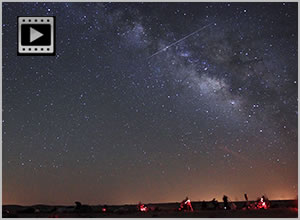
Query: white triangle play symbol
(34, 34)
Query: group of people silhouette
(261, 203)
(186, 204)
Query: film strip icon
(36, 35)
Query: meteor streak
(176, 42)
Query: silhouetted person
(186, 205)
(78, 205)
(225, 200)
(204, 205)
(215, 203)
(247, 202)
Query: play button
(34, 34)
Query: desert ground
(278, 209)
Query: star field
(120, 116)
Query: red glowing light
(186, 205)
(262, 204)
(294, 209)
(142, 208)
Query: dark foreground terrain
(278, 209)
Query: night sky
(152, 102)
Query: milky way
(131, 109)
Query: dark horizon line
(148, 203)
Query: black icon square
(36, 36)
